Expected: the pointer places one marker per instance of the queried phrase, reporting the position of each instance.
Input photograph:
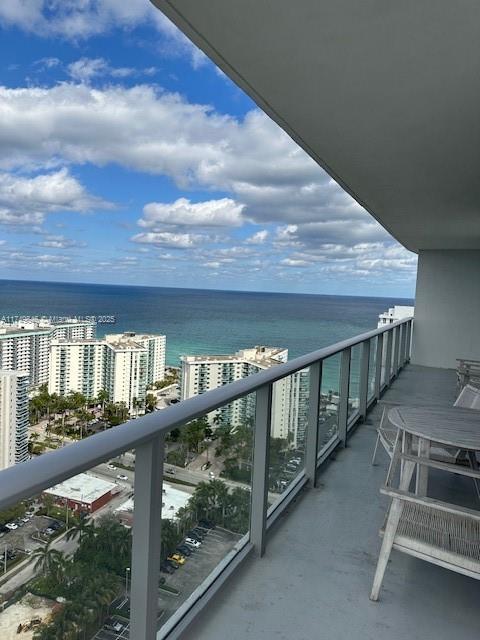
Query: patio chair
(438, 532)
(469, 398)
(468, 372)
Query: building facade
(121, 364)
(398, 312)
(25, 345)
(14, 419)
(289, 399)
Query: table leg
(422, 470)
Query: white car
(193, 543)
(12, 526)
(211, 475)
(112, 466)
(122, 476)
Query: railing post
(378, 366)
(260, 473)
(409, 338)
(363, 384)
(311, 441)
(403, 356)
(388, 358)
(147, 519)
(344, 392)
(396, 351)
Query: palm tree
(102, 398)
(48, 560)
(84, 529)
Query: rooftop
(83, 488)
(259, 355)
(173, 499)
(315, 578)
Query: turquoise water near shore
(198, 321)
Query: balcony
(306, 561)
(344, 381)
(317, 572)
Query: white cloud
(47, 63)
(26, 200)
(172, 240)
(79, 19)
(212, 213)
(290, 262)
(84, 69)
(268, 179)
(258, 238)
(59, 242)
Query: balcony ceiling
(384, 95)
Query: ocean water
(198, 321)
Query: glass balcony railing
(191, 490)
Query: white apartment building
(13, 418)
(398, 312)
(121, 364)
(25, 345)
(203, 373)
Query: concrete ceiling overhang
(384, 95)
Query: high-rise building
(289, 403)
(121, 364)
(25, 345)
(13, 418)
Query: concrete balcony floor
(316, 576)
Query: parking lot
(21, 538)
(107, 634)
(216, 545)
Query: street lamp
(127, 571)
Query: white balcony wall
(447, 308)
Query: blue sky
(127, 157)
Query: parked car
(207, 524)
(196, 544)
(198, 533)
(26, 519)
(173, 563)
(11, 526)
(177, 557)
(194, 536)
(170, 471)
(122, 476)
(112, 466)
(165, 567)
(186, 551)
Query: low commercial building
(83, 493)
(172, 500)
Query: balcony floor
(316, 576)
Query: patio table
(452, 427)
